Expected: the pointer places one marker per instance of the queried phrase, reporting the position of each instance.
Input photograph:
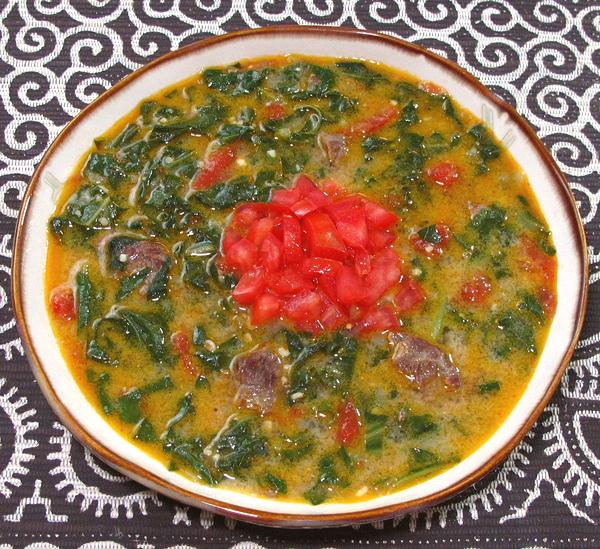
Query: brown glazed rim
(245, 513)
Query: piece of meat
(333, 145)
(145, 254)
(421, 361)
(257, 375)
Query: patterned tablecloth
(542, 56)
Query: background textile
(543, 56)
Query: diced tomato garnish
(288, 281)
(385, 272)
(285, 197)
(305, 306)
(350, 287)
(332, 189)
(378, 217)
(379, 239)
(444, 174)
(374, 123)
(378, 319)
(362, 261)
(320, 265)
(181, 342)
(292, 240)
(324, 240)
(242, 255)
(348, 427)
(333, 315)
(430, 249)
(62, 302)
(351, 222)
(230, 237)
(265, 308)
(318, 260)
(410, 296)
(215, 167)
(249, 286)
(548, 300)
(304, 206)
(270, 255)
(542, 262)
(432, 88)
(274, 110)
(305, 185)
(476, 289)
(260, 229)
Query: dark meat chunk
(144, 254)
(333, 145)
(421, 361)
(257, 375)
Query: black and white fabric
(543, 56)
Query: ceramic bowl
(89, 426)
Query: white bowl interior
(66, 155)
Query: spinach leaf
(410, 115)
(302, 125)
(230, 132)
(128, 406)
(273, 483)
(133, 157)
(148, 329)
(448, 108)
(240, 189)
(222, 356)
(294, 447)
(488, 219)
(511, 331)
(91, 207)
(95, 352)
(339, 103)
(530, 303)
(237, 445)
(327, 480)
(430, 234)
(131, 282)
(373, 143)
(104, 166)
(161, 384)
(233, 82)
(145, 432)
(489, 387)
(359, 71)
(375, 431)
(185, 407)
(189, 451)
(486, 148)
(124, 137)
(85, 298)
(158, 287)
(103, 398)
(408, 167)
(303, 81)
(418, 425)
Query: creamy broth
(304, 278)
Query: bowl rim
(268, 518)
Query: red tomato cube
(378, 319)
(249, 286)
(265, 308)
(292, 239)
(410, 296)
(305, 306)
(323, 238)
(270, 255)
(385, 272)
(350, 289)
(242, 255)
(379, 217)
(259, 230)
